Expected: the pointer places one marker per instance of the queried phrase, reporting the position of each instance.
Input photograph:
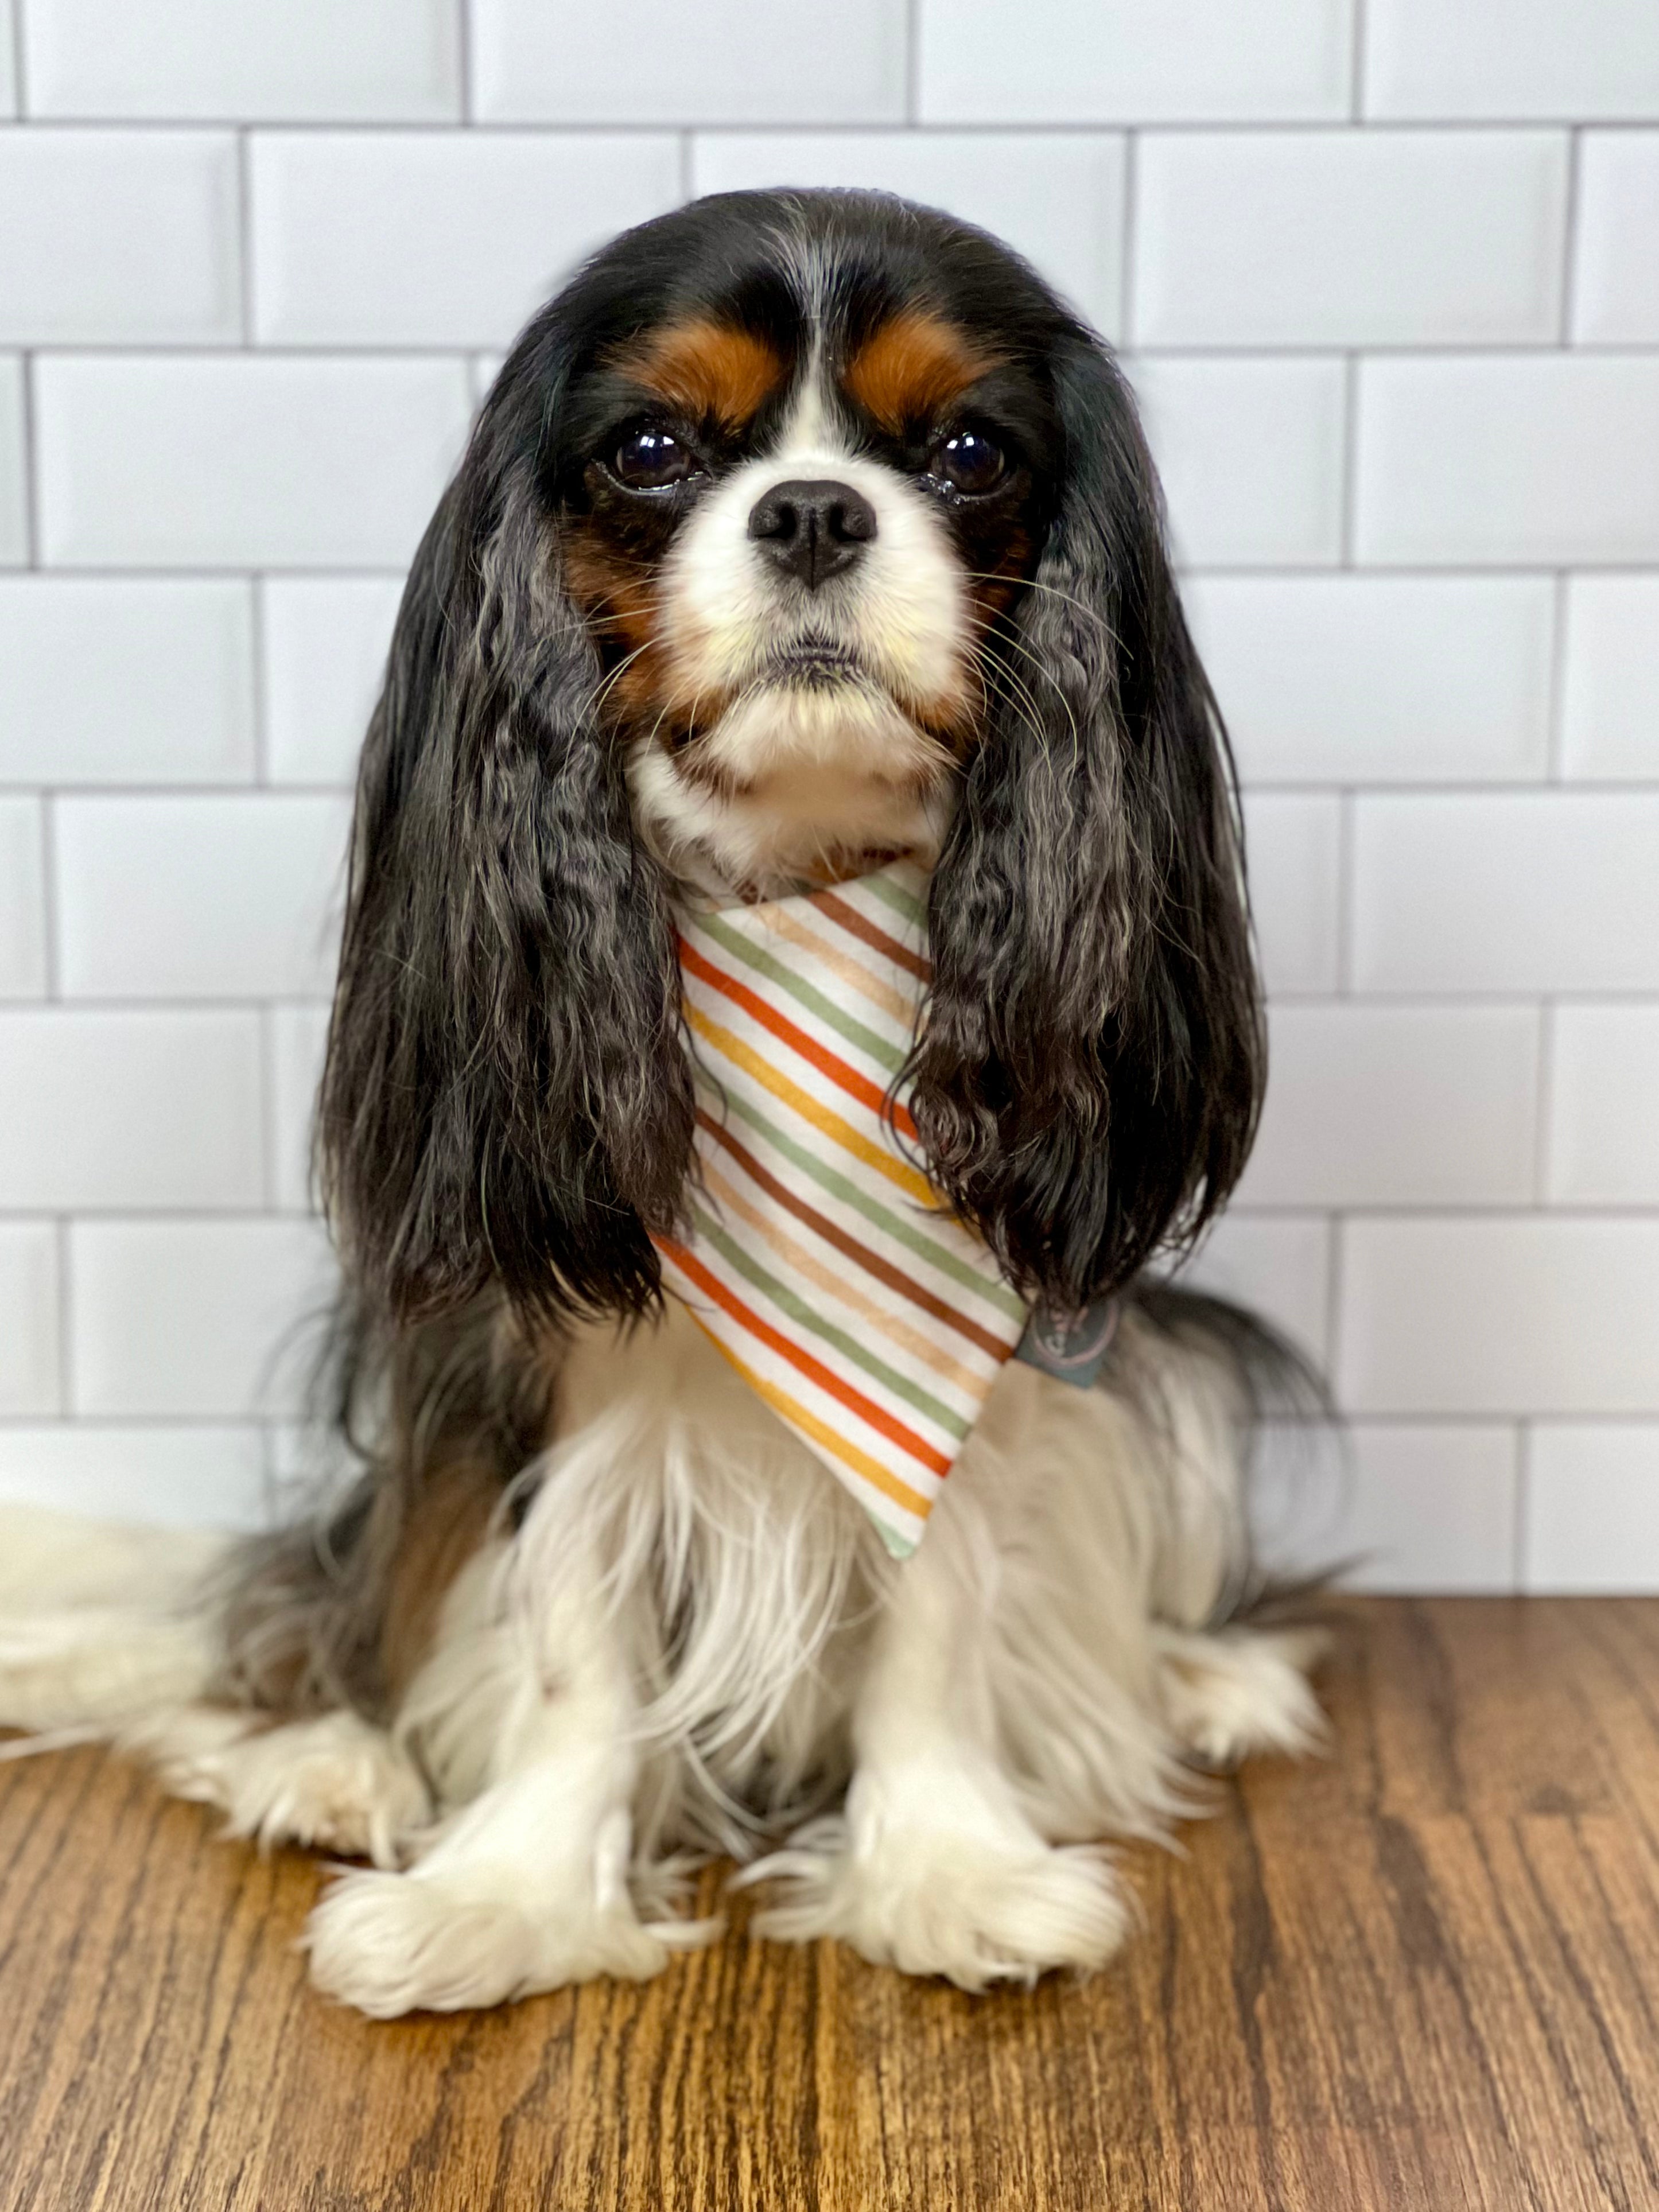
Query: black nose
(812, 528)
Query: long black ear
(1091, 1058)
(505, 1096)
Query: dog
(802, 536)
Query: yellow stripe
(891, 1002)
(842, 1287)
(841, 1133)
(821, 1433)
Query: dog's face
(798, 489)
(800, 530)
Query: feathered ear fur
(505, 1096)
(1090, 1064)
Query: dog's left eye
(970, 463)
(652, 458)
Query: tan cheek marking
(912, 367)
(621, 602)
(707, 369)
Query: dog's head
(798, 532)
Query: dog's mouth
(815, 662)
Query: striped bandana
(820, 1260)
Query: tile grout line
(1544, 1107)
(245, 233)
(1570, 239)
(67, 1393)
(1346, 893)
(268, 1115)
(1131, 217)
(259, 616)
(1357, 66)
(913, 63)
(1335, 1270)
(1219, 125)
(1555, 734)
(464, 63)
(49, 893)
(20, 61)
(1350, 459)
(1523, 1446)
(33, 517)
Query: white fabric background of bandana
(820, 1261)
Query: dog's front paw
(391, 1943)
(973, 1907)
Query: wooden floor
(1422, 1974)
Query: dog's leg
(525, 1886)
(935, 1866)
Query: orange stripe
(919, 1448)
(847, 1078)
(878, 1476)
(868, 932)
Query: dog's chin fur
(689, 1642)
(824, 781)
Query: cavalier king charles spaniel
(803, 536)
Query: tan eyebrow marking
(912, 367)
(707, 368)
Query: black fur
(1093, 1055)
(505, 1096)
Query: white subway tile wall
(1387, 281)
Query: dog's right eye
(651, 458)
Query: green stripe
(895, 898)
(790, 1302)
(890, 1056)
(996, 1295)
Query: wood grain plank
(1421, 1972)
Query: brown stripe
(871, 1262)
(867, 932)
